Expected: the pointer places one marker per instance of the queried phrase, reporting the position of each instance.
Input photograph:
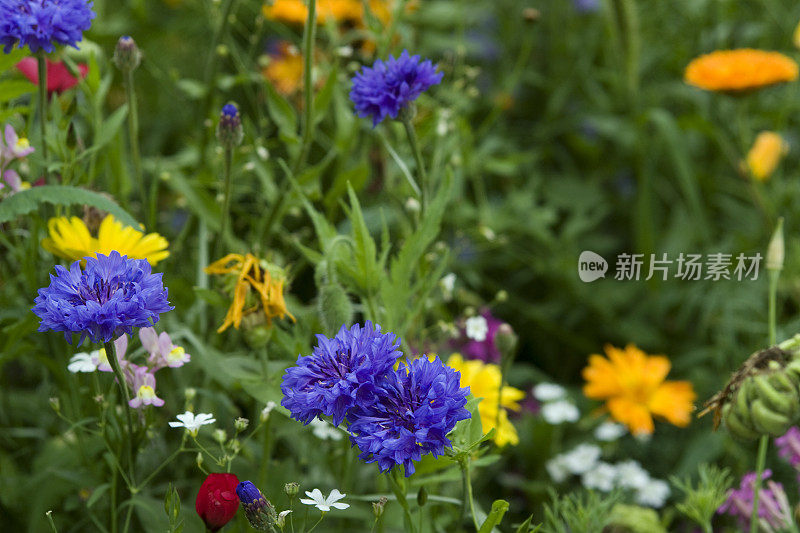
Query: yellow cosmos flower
(267, 281)
(71, 239)
(633, 386)
(766, 153)
(285, 69)
(484, 381)
(740, 70)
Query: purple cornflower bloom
(415, 408)
(586, 6)
(789, 446)
(41, 24)
(486, 350)
(774, 511)
(340, 373)
(389, 86)
(110, 296)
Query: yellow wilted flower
(767, 151)
(633, 386)
(266, 280)
(484, 381)
(740, 70)
(70, 238)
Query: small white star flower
(548, 392)
(609, 431)
(601, 477)
(324, 431)
(653, 494)
(631, 475)
(322, 503)
(84, 362)
(477, 328)
(560, 412)
(281, 520)
(192, 422)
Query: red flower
(217, 501)
(59, 78)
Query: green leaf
(366, 268)
(499, 508)
(28, 200)
(11, 89)
(526, 525)
(323, 99)
(281, 112)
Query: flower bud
(412, 205)
(264, 416)
(422, 496)
(229, 129)
(190, 393)
(55, 403)
(334, 307)
(776, 249)
(199, 460)
(240, 424)
(506, 340)
(378, 506)
(220, 435)
(531, 14)
(291, 489)
(127, 55)
(281, 520)
(259, 511)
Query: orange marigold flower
(285, 68)
(267, 282)
(740, 70)
(633, 386)
(765, 155)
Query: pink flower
(773, 505)
(144, 386)
(59, 78)
(789, 446)
(162, 351)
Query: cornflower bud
(229, 129)
(127, 55)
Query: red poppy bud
(59, 78)
(217, 501)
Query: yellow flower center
(176, 354)
(22, 144)
(146, 392)
(102, 357)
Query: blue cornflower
(390, 86)
(340, 373)
(111, 295)
(43, 23)
(259, 511)
(229, 129)
(586, 6)
(417, 405)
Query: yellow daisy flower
(765, 155)
(633, 385)
(267, 281)
(71, 239)
(484, 381)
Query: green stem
(406, 116)
(761, 459)
(398, 488)
(111, 355)
(49, 515)
(773, 295)
(226, 201)
(42, 64)
(323, 514)
(133, 138)
(468, 498)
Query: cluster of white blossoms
(556, 407)
(584, 461)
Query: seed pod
(334, 307)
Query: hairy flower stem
(42, 64)
(133, 138)
(398, 485)
(111, 355)
(226, 201)
(412, 140)
(468, 499)
(763, 442)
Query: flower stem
(133, 138)
(468, 499)
(226, 200)
(398, 487)
(405, 114)
(49, 515)
(323, 513)
(111, 355)
(42, 64)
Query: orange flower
(765, 155)
(266, 280)
(342, 11)
(740, 70)
(285, 69)
(632, 384)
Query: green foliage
(702, 498)
(579, 512)
(30, 200)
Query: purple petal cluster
(41, 24)
(789, 446)
(773, 505)
(111, 295)
(389, 86)
(485, 350)
(340, 373)
(416, 406)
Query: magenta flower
(774, 512)
(483, 346)
(789, 446)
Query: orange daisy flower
(633, 385)
(740, 70)
(267, 281)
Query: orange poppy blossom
(252, 273)
(633, 386)
(740, 70)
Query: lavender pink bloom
(774, 511)
(485, 350)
